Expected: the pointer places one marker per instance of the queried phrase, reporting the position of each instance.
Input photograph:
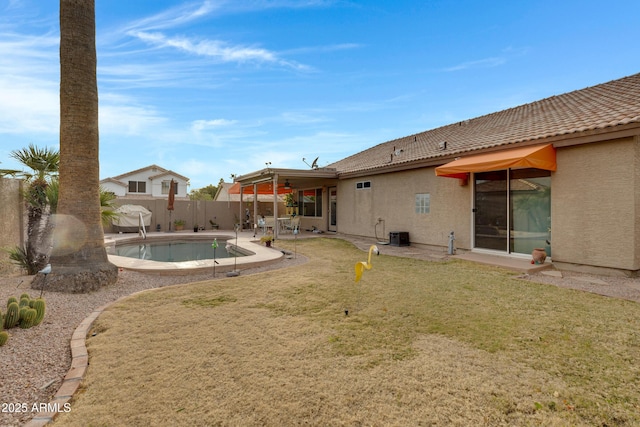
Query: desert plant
(25, 295)
(267, 240)
(18, 255)
(11, 299)
(24, 302)
(29, 318)
(12, 317)
(39, 306)
(288, 199)
(44, 164)
(1, 321)
(4, 336)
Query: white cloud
(213, 48)
(121, 115)
(295, 118)
(200, 125)
(28, 106)
(153, 31)
(326, 48)
(481, 63)
(29, 84)
(216, 49)
(174, 17)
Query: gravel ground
(34, 361)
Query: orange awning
(539, 157)
(263, 188)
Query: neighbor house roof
(158, 172)
(154, 168)
(115, 181)
(596, 110)
(169, 173)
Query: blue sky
(214, 88)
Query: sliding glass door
(491, 212)
(512, 210)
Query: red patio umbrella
(170, 201)
(172, 196)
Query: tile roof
(158, 172)
(595, 108)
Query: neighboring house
(151, 182)
(562, 173)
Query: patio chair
(269, 223)
(294, 224)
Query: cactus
(22, 312)
(24, 302)
(1, 321)
(25, 295)
(12, 317)
(11, 299)
(28, 319)
(4, 336)
(39, 306)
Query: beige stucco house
(562, 173)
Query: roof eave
(561, 140)
(268, 174)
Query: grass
(425, 343)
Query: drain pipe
(451, 250)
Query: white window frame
(423, 203)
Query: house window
(423, 203)
(137, 187)
(363, 185)
(310, 202)
(167, 184)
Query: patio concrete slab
(519, 264)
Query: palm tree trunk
(79, 260)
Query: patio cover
(263, 188)
(539, 156)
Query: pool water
(175, 251)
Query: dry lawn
(423, 344)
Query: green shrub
(4, 336)
(19, 256)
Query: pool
(177, 251)
(249, 252)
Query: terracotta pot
(539, 255)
